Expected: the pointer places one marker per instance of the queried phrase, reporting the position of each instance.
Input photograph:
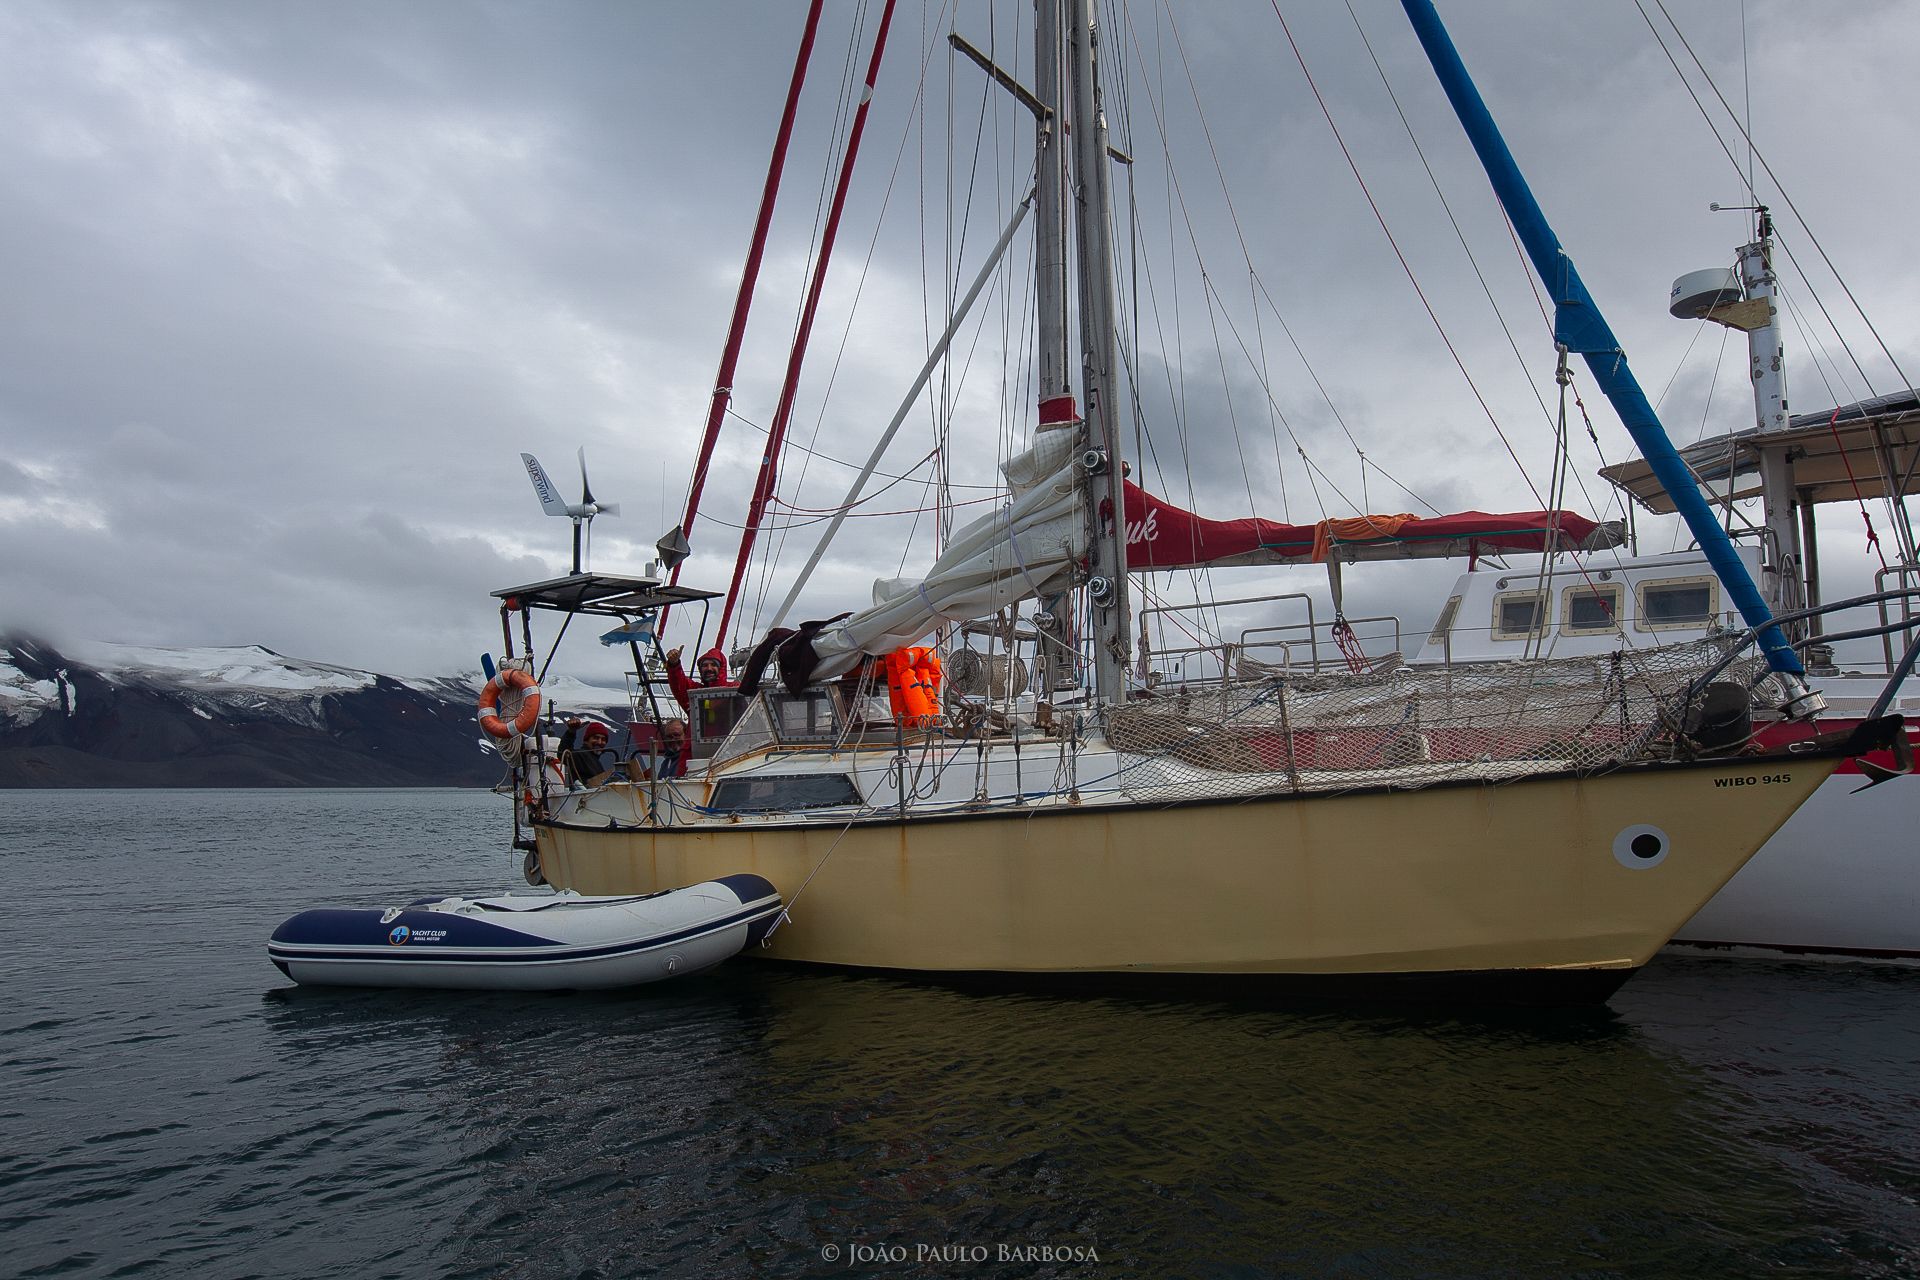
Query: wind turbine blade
(550, 499)
(608, 508)
(586, 494)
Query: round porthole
(1641, 846)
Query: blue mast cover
(1578, 325)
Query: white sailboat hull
(1841, 877)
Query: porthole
(1641, 846)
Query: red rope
(1350, 647)
(1873, 536)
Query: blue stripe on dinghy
(486, 959)
(754, 890)
(549, 952)
(759, 929)
(748, 887)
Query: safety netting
(1415, 726)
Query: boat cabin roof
(1831, 456)
(604, 593)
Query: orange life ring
(529, 714)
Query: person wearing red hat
(711, 670)
(592, 763)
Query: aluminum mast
(1055, 659)
(1107, 546)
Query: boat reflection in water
(750, 1118)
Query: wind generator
(581, 512)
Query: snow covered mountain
(107, 715)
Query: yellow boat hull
(1533, 875)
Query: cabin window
(1519, 614)
(809, 716)
(1440, 629)
(1678, 604)
(714, 714)
(777, 793)
(1588, 609)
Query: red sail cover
(1163, 536)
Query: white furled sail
(1025, 549)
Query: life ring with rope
(505, 684)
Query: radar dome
(1698, 292)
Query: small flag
(639, 631)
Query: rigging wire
(1806, 227)
(771, 556)
(842, 462)
(1816, 348)
(1453, 221)
(827, 210)
(1176, 199)
(1405, 265)
(1678, 366)
(1561, 465)
(1199, 578)
(1177, 196)
(1894, 496)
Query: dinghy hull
(529, 943)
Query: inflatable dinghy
(528, 942)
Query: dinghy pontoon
(528, 942)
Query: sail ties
(927, 600)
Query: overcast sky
(288, 287)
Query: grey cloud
(289, 287)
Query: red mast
(776, 437)
(743, 302)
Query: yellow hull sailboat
(1521, 830)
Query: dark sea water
(173, 1106)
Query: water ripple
(173, 1106)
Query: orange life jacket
(913, 686)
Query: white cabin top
(1581, 606)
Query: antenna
(581, 512)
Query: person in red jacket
(711, 671)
